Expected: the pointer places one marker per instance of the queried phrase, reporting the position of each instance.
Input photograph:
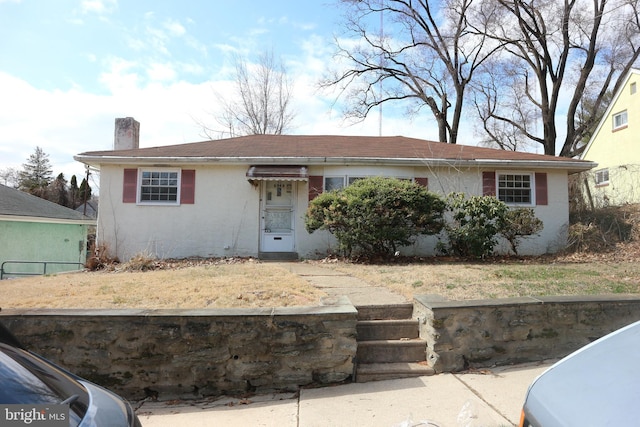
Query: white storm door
(278, 215)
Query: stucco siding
(223, 221)
(41, 241)
(444, 181)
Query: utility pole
(86, 190)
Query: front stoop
(278, 256)
(389, 346)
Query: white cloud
(175, 28)
(155, 93)
(98, 6)
(136, 44)
(158, 72)
(192, 68)
(120, 75)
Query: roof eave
(48, 220)
(571, 165)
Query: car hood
(597, 385)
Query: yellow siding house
(615, 147)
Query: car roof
(596, 385)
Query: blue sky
(68, 68)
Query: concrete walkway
(337, 284)
(488, 398)
(485, 398)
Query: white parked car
(598, 385)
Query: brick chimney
(127, 134)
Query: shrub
(478, 221)
(601, 229)
(141, 261)
(376, 216)
(520, 222)
(475, 224)
(99, 257)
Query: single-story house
(34, 231)
(247, 196)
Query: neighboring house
(247, 196)
(615, 147)
(36, 230)
(89, 209)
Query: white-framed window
(516, 188)
(620, 120)
(333, 183)
(338, 182)
(602, 177)
(159, 186)
(633, 88)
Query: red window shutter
(422, 181)
(188, 187)
(489, 183)
(315, 186)
(541, 189)
(130, 186)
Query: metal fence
(4, 272)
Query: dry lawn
(462, 281)
(217, 284)
(247, 284)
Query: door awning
(278, 173)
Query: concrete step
(385, 312)
(278, 256)
(374, 330)
(388, 371)
(391, 351)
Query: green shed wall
(35, 241)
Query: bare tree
(9, 177)
(494, 93)
(426, 55)
(261, 102)
(562, 55)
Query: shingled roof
(15, 203)
(327, 149)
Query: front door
(278, 215)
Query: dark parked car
(598, 385)
(28, 379)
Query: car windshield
(27, 379)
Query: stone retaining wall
(483, 333)
(194, 353)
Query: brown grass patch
(499, 279)
(243, 284)
(211, 284)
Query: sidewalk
(485, 398)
